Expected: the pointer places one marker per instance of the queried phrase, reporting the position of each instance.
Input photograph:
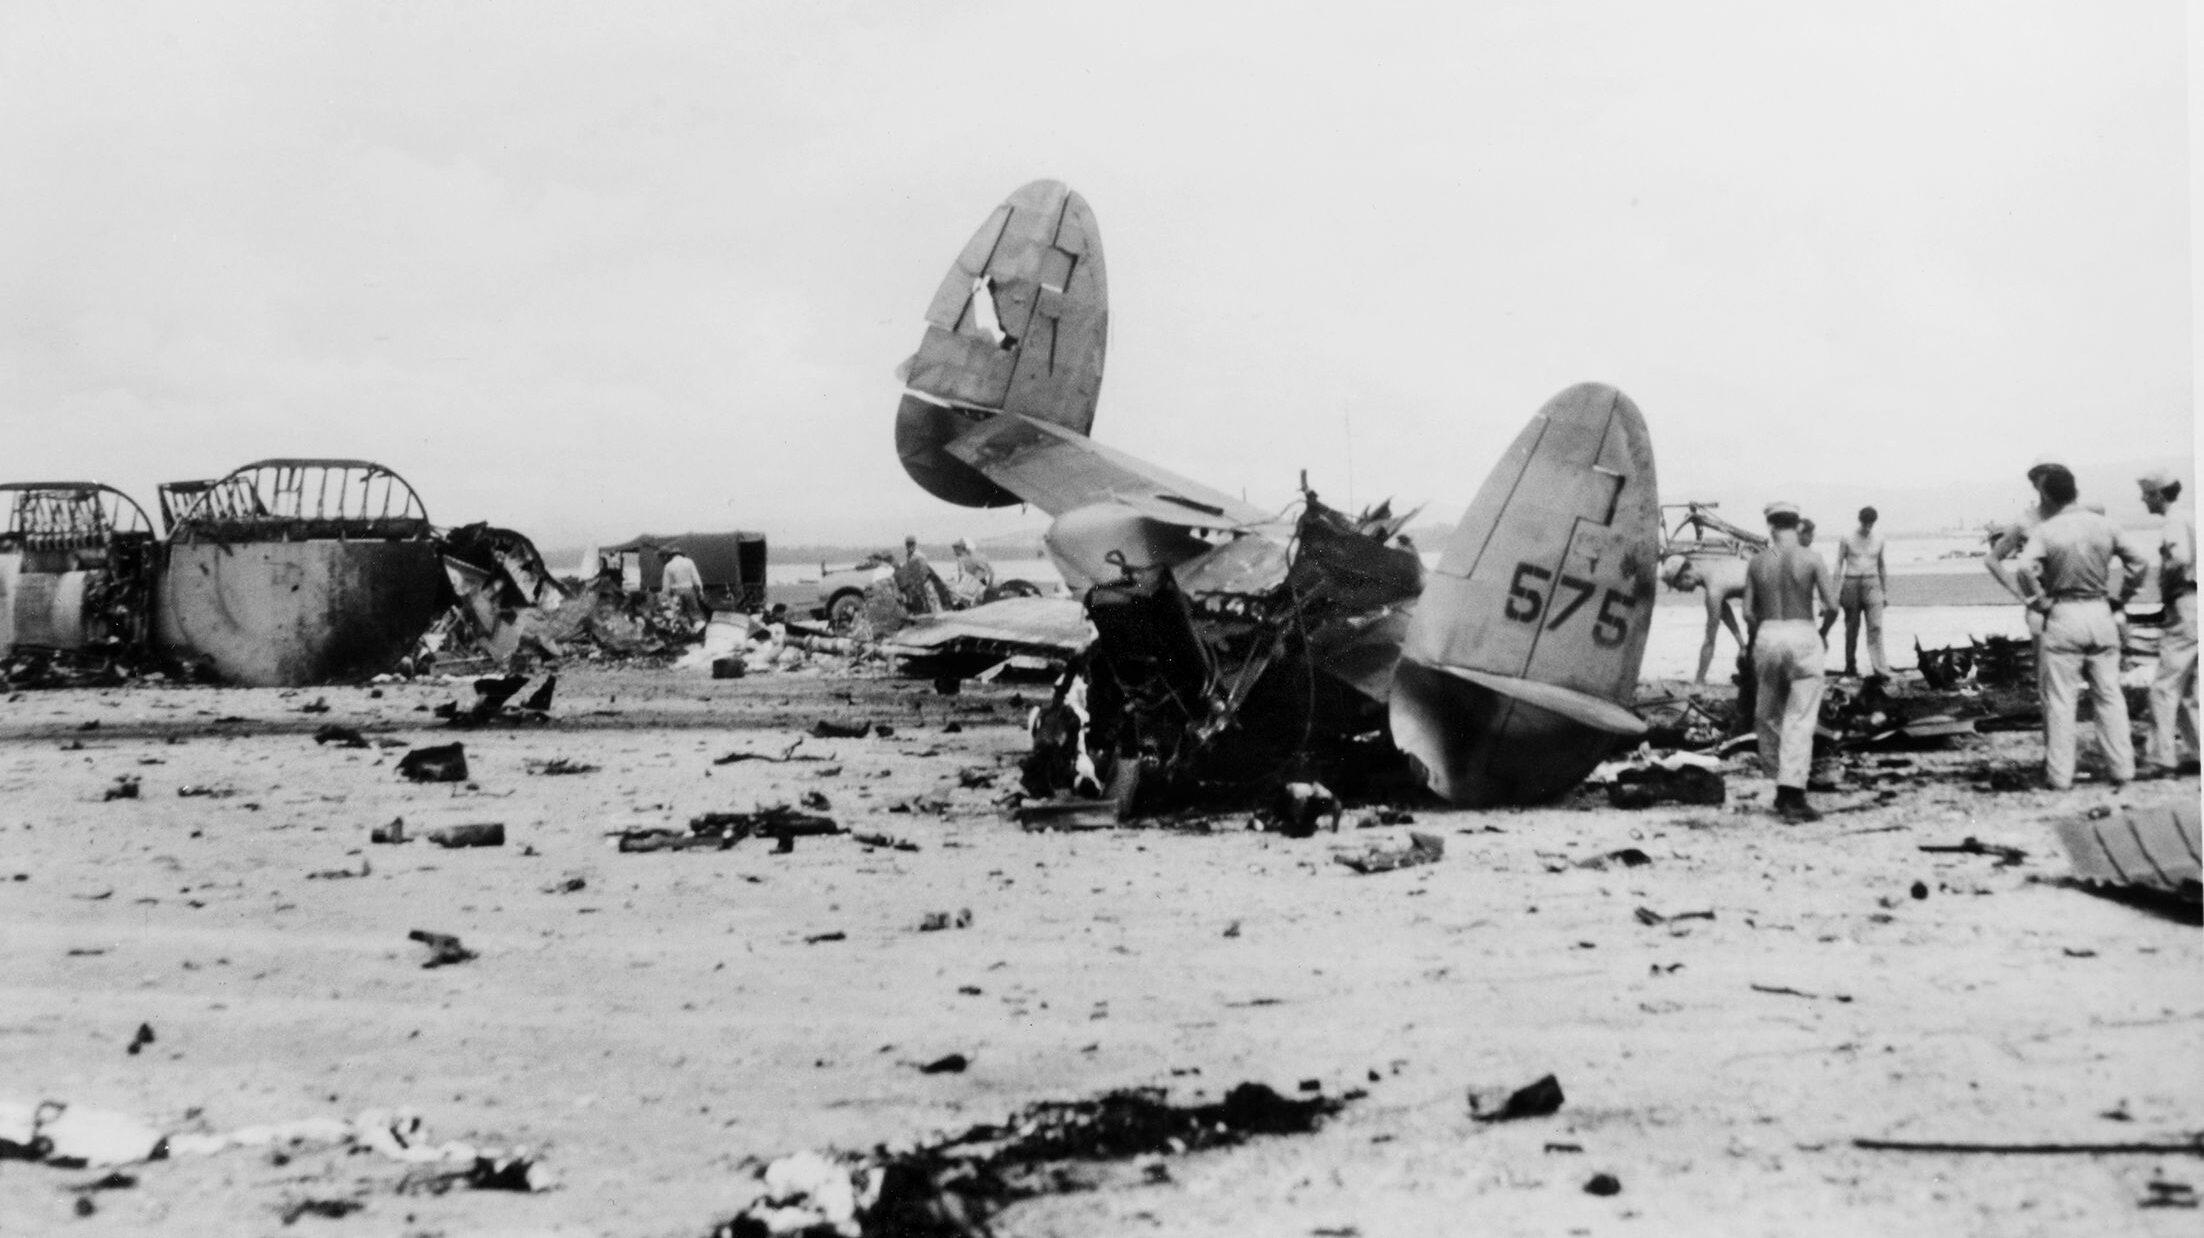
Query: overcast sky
(587, 270)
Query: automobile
(841, 593)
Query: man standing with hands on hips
(2065, 570)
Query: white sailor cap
(2157, 480)
(1779, 508)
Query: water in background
(1672, 649)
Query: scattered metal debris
(441, 763)
(444, 949)
(2150, 850)
(1421, 849)
(474, 834)
(1533, 1100)
(2006, 856)
(952, 1187)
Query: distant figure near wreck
(1724, 582)
(975, 575)
(914, 579)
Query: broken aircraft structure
(1236, 646)
(282, 572)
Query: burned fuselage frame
(282, 572)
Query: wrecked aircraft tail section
(1525, 651)
(1019, 325)
(298, 571)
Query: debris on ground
(333, 1209)
(935, 921)
(125, 787)
(717, 831)
(786, 754)
(1067, 814)
(395, 832)
(444, 949)
(341, 874)
(556, 766)
(140, 1040)
(1300, 808)
(439, 763)
(2164, 1194)
(2006, 856)
(826, 728)
(70, 1136)
(953, 1064)
(340, 735)
(1379, 858)
(566, 885)
(889, 841)
(952, 1188)
(1627, 857)
(2151, 851)
(1534, 1100)
(478, 834)
(1603, 1184)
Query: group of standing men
(2059, 559)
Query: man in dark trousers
(1781, 584)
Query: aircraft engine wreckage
(1235, 647)
(283, 572)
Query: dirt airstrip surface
(652, 1030)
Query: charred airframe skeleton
(1238, 646)
(283, 572)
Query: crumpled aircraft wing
(1056, 470)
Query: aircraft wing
(1056, 470)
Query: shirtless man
(1860, 566)
(1724, 582)
(1780, 586)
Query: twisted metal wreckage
(1234, 647)
(280, 573)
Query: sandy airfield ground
(652, 1030)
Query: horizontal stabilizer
(1593, 711)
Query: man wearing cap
(975, 575)
(2008, 541)
(1781, 584)
(1864, 584)
(681, 584)
(1724, 581)
(2065, 570)
(915, 579)
(2173, 690)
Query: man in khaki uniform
(2066, 572)
(2173, 690)
(1781, 584)
(2005, 546)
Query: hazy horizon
(585, 273)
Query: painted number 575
(1526, 602)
